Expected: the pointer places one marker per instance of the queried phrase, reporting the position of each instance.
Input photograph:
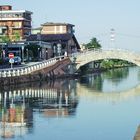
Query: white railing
(29, 69)
(89, 51)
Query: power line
(128, 35)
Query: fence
(29, 69)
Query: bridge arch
(94, 55)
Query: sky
(92, 18)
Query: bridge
(60, 65)
(85, 57)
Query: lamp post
(38, 49)
(54, 50)
(22, 54)
(27, 54)
(59, 49)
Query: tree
(93, 44)
(107, 64)
(33, 51)
(5, 39)
(16, 36)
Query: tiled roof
(38, 28)
(55, 24)
(53, 38)
(49, 37)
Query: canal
(94, 107)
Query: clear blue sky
(92, 18)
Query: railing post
(8, 73)
(32, 69)
(13, 73)
(21, 72)
(17, 72)
(29, 70)
(26, 71)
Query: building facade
(57, 28)
(15, 22)
(54, 28)
(60, 35)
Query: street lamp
(22, 54)
(54, 50)
(59, 49)
(27, 54)
(38, 53)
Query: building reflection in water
(15, 117)
(17, 106)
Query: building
(13, 22)
(16, 26)
(57, 28)
(19, 48)
(60, 35)
(60, 43)
(54, 28)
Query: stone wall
(51, 72)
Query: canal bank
(45, 70)
(49, 74)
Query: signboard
(11, 55)
(11, 60)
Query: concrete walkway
(8, 66)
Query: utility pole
(112, 38)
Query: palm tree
(93, 44)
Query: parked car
(17, 60)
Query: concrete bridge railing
(82, 58)
(28, 69)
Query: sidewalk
(8, 66)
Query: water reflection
(114, 80)
(88, 101)
(17, 106)
(116, 75)
(95, 81)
